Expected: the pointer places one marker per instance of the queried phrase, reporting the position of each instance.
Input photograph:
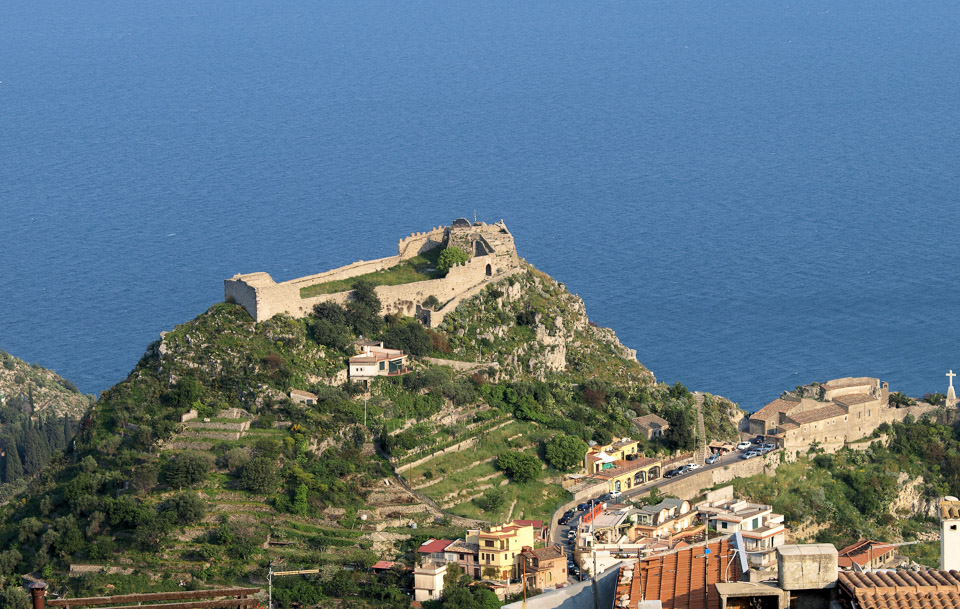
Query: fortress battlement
(490, 247)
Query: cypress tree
(12, 469)
(33, 453)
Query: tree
(300, 500)
(260, 475)
(519, 466)
(187, 508)
(565, 452)
(451, 257)
(14, 597)
(13, 469)
(363, 311)
(186, 469)
(491, 500)
(900, 400)
(410, 337)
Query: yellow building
(599, 458)
(625, 475)
(500, 547)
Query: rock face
(910, 499)
(39, 391)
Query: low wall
(360, 267)
(689, 486)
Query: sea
(753, 194)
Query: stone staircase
(701, 430)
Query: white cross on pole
(950, 375)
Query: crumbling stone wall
(263, 298)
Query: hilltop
(39, 411)
(234, 441)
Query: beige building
(762, 529)
(605, 456)
(544, 568)
(843, 410)
(651, 426)
(664, 520)
(428, 581)
(303, 397)
(500, 546)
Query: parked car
(583, 507)
(757, 440)
(563, 520)
(672, 473)
(750, 454)
(743, 446)
(692, 466)
(769, 446)
(614, 494)
(712, 459)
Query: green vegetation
(521, 467)
(418, 268)
(565, 452)
(451, 257)
(851, 491)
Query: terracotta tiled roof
(647, 420)
(849, 382)
(855, 398)
(817, 414)
(929, 589)
(302, 394)
(677, 579)
(434, 545)
(624, 467)
(536, 524)
(774, 408)
(548, 553)
(862, 553)
(950, 509)
(461, 546)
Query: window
(953, 527)
(756, 523)
(383, 365)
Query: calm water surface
(752, 194)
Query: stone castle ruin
(492, 252)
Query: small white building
(375, 360)
(428, 581)
(762, 529)
(303, 397)
(950, 534)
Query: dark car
(563, 520)
(672, 473)
(569, 513)
(757, 440)
(583, 506)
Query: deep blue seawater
(753, 194)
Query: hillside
(39, 411)
(199, 466)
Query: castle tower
(951, 394)
(950, 533)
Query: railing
(236, 597)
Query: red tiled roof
(434, 545)
(774, 408)
(855, 398)
(383, 564)
(929, 589)
(537, 524)
(677, 579)
(817, 414)
(861, 553)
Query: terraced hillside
(199, 467)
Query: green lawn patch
(418, 268)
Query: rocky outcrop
(910, 499)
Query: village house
(651, 426)
(866, 555)
(375, 360)
(467, 555)
(602, 457)
(499, 547)
(839, 411)
(303, 397)
(434, 549)
(544, 567)
(761, 528)
(667, 519)
(428, 581)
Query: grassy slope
(418, 268)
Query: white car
(743, 446)
(615, 494)
(692, 466)
(750, 454)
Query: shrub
(260, 475)
(186, 469)
(519, 466)
(186, 507)
(565, 452)
(451, 257)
